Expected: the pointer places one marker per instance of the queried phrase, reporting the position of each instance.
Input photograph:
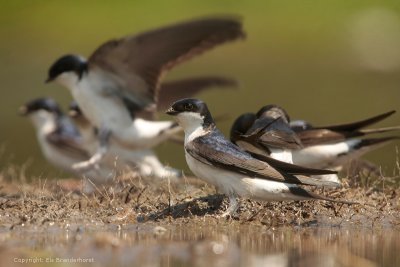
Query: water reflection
(202, 245)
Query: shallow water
(199, 244)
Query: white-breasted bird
(211, 157)
(59, 139)
(122, 78)
(321, 147)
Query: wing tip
(298, 191)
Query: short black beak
(23, 111)
(171, 111)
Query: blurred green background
(324, 61)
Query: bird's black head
(67, 63)
(190, 106)
(38, 104)
(241, 125)
(273, 111)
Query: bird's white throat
(44, 122)
(192, 124)
(67, 79)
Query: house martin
(122, 78)
(213, 158)
(59, 139)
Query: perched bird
(321, 147)
(211, 157)
(59, 139)
(122, 78)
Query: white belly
(56, 157)
(232, 183)
(321, 156)
(108, 111)
(282, 155)
(101, 109)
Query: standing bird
(122, 78)
(322, 147)
(59, 139)
(211, 157)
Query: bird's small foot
(83, 166)
(228, 215)
(87, 165)
(233, 206)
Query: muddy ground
(153, 223)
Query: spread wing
(273, 133)
(137, 63)
(175, 90)
(213, 149)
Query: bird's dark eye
(188, 106)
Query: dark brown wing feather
(141, 60)
(321, 136)
(324, 136)
(292, 168)
(175, 90)
(271, 132)
(336, 133)
(354, 126)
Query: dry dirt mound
(137, 201)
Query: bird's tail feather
(354, 126)
(380, 130)
(374, 142)
(310, 195)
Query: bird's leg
(233, 206)
(104, 137)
